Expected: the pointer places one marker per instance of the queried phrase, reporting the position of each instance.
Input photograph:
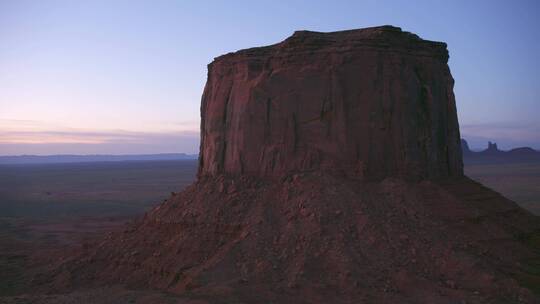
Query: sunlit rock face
(369, 103)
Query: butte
(330, 171)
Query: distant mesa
(524, 151)
(493, 155)
(466, 150)
(492, 148)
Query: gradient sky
(125, 77)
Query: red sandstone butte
(330, 172)
(369, 103)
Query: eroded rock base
(315, 238)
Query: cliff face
(368, 103)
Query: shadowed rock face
(368, 103)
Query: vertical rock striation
(369, 103)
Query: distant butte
(330, 172)
(492, 155)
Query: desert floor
(45, 207)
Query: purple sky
(125, 77)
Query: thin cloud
(36, 137)
(88, 137)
